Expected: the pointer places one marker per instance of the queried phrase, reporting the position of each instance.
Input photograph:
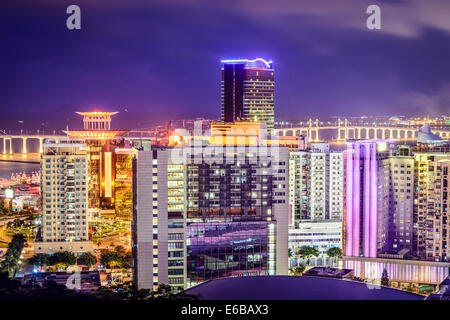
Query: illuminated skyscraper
(209, 214)
(401, 202)
(237, 212)
(64, 198)
(248, 91)
(316, 184)
(431, 215)
(366, 215)
(158, 229)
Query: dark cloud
(154, 56)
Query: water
(7, 168)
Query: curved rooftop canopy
(295, 288)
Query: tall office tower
(248, 91)
(315, 184)
(109, 164)
(237, 212)
(431, 223)
(299, 186)
(158, 229)
(64, 199)
(401, 213)
(366, 215)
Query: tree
(384, 278)
(3, 210)
(127, 258)
(120, 249)
(87, 259)
(307, 252)
(334, 252)
(17, 241)
(290, 253)
(39, 260)
(63, 259)
(112, 259)
(9, 264)
(297, 271)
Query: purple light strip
(367, 200)
(356, 199)
(374, 202)
(349, 201)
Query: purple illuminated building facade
(366, 214)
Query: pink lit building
(366, 213)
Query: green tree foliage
(126, 291)
(39, 260)
(112, 259)
(334, 252)
(10, 262)
(127, 260)
(3, 210)
(87, 259)
(384, 278)
(62, 259)
(297, 271)
(307, 252)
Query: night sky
(160, 59)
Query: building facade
(206, 215)
(158, 229)
(322, 235)
(316, 185)
(237, 212)
(366, 215)
(401, 212)
(431, 223)
(64, 199)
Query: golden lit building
(239, 133)
(106, 166)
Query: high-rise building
(401, 206)
(366, 215)
(315, 184)
(209, 213)
(237, 212)
(431, 223)
(158, 230)
(64, 199)
(248, 91)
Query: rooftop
(295, 288)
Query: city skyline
(280, 151)
(327, 62)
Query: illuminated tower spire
(97, 120)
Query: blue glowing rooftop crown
(255, 63)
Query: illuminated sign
(9, 193)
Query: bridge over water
(24, 138)
(346, 130)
